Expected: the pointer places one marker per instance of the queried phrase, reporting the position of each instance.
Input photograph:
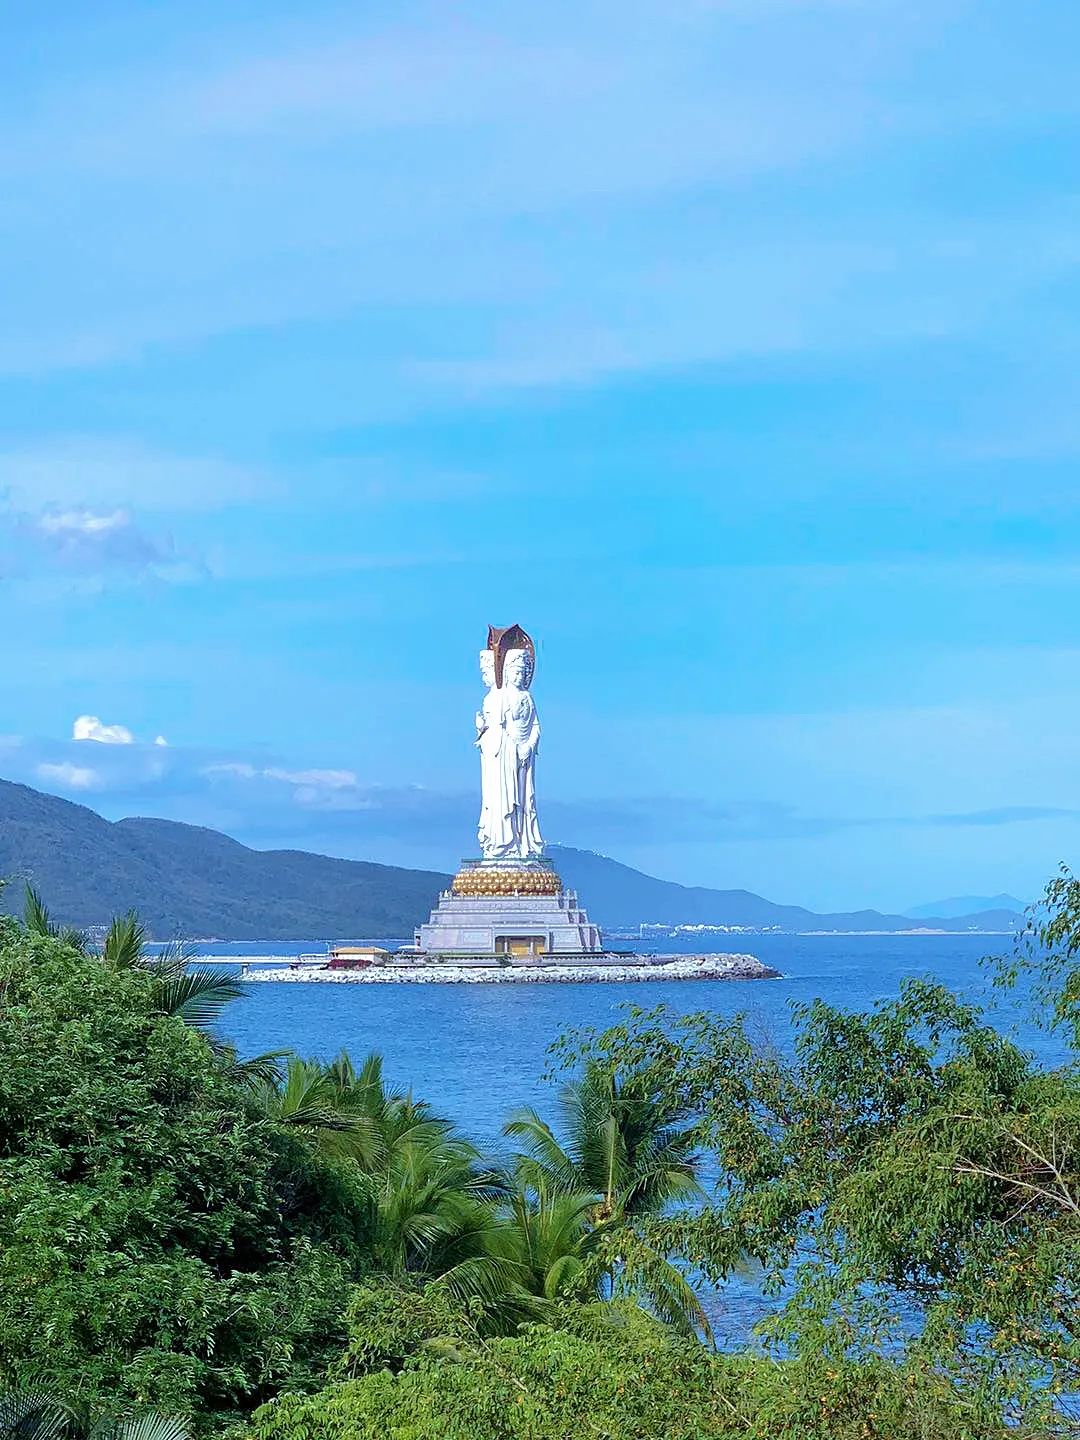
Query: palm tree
(196, 995)
(623, 1142)
(435, 1206)
(627, 1156)
(561, 1251)
(550, 1236)
(433, 1194)
(308, 1100)
(36, 1414)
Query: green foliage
(195, 994)
(309, 1101)
(181, 1231)
(609, 1372)
(390, 1322)
(909, 1172)
(627, 1153)
(1048, 950)
(162, 1245)
(624, 1140)
(35, 1414)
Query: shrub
(609, 1372)
(161, 1244)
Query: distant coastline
(913, 933)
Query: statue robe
(509, 826)
(493, 832)
(521, 728)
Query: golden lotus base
(501, 880)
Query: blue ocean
(478, 1051)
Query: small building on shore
(356, 957)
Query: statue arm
(531, 741)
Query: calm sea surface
(477, 1051)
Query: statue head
(518, 669)
(487, 667)
(502, 641)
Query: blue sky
(731, 348)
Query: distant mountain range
(618, 895)
(186, 880)
(967, 905)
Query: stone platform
(512, 911)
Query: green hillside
(186, 880)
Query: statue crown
(511, 637)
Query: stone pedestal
(507, 912)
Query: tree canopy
(602, 1370)
(188, 1238)
(162, 1244)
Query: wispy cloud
(89, 539)
(66, 776)
(517, 189)
(297, 801)
(84, 544)
(1005, 815)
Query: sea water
(476, 1052)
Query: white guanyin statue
(488, 741)
(508, 734)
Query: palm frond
(308, 1101)
(142, 1427)
(544, 1156)
(38, 921)
(125, 943)
(646, 1275)
(258, 1070)
(153, 1427)
(342, 1073)
(174, 958)
(197, 996)
(491, 1279)
(561, 1276)
(36, 916)
(32, 1414)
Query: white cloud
(161, 741)
(67, 523)
(89, 727)
(92, 538)
(312, 789)
(231, 770)
(320, 779)
(85, 537)
(71, 777)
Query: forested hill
(186, 880)
(183, 879)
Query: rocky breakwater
(616, 969)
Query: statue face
(514, 669)
(487, 667)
